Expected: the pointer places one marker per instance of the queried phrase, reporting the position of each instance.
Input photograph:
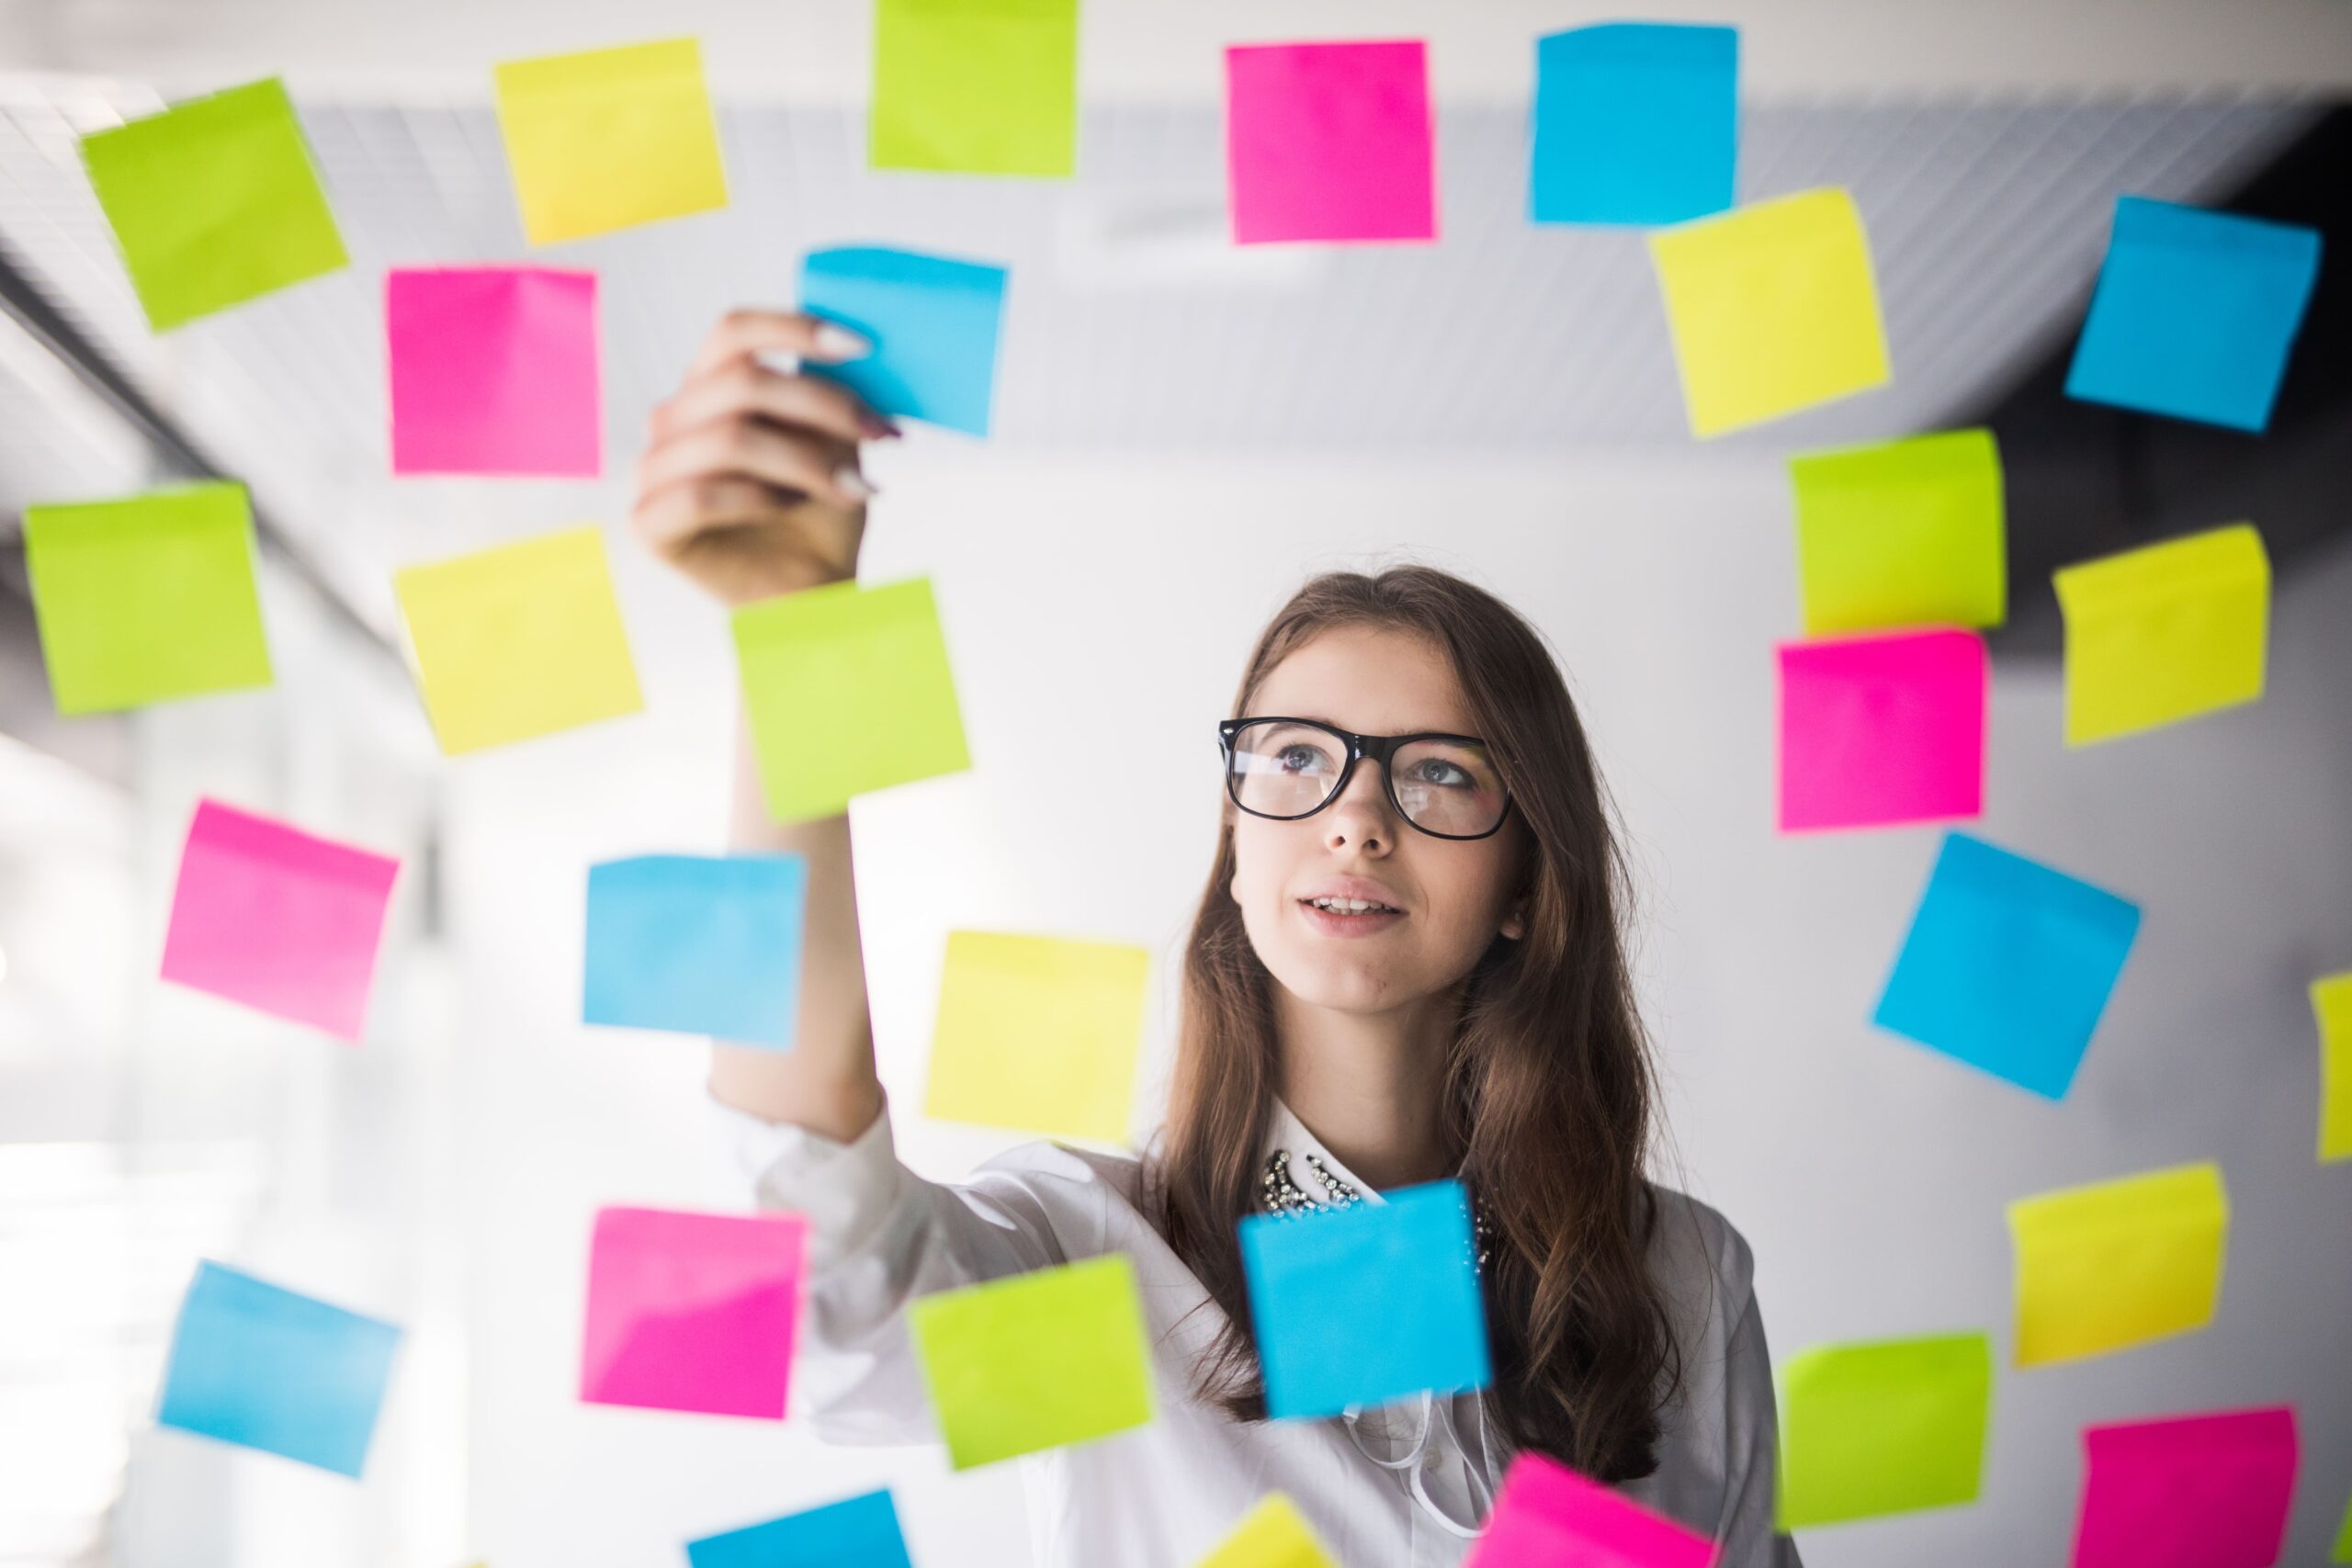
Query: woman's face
(1455, 894)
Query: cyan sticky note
(856, 1532)
(933, 321)
(696, 944)
(1413, 1254)
(255, 1364)
(2008, 965)
(1635, 123)
(2194, 314)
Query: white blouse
(1405, 1485)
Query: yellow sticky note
(1907, 533)
(2332, 1004)
(2118, 1263)
(1037, 1033)
(609, 139)
(975, 87)
(1773, 308)
(1274, 1534)
(2165, 633)
(521, 641)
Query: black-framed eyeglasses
(1446, 785)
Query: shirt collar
(1285, 1131)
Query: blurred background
(1184, 432)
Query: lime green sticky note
(2115, 1264)
(1884, 1427)
(1037, 1033)
(1907, 533)
(848, 691)
(2332, 1005)
(1042, 1360)
(2165, 633)
(975, 87)
(2342, 1552)
(1274, 1534)
(147, 599)
(1773, 308)
(518, 641)
(609, 139)
(213, 202)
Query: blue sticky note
(257, 1365)
(1309, 1274)
(1636, 122)
(2008, 965)
(2194, 314)
(932, 322)
(858, 1532)
(696, 944)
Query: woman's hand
(750, 483)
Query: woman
(1406, 965)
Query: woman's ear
(1514, 924)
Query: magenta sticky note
(493, 370)
(2188, 1492)
(1882, 729)
(271, 917)
(692, 1311)
(1546, 1516)
(1329, 141)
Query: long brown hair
(1548, 1083)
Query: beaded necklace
(1282, 1196)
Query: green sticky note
(147, 599)
(2342, 1552)
(1035, 1361)
(975, 87)
(1883, 1426)
(214, 202)
(848, 691)
(1903, 534)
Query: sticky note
(1881, 728)
(518, 641)
(1329, 141)
(975, 87)
(933, 324)
(856, 1532)
(1038, 1360)
(268, 916)
(1273, 1534)
(2191, 1491)
(698, 945)
(494, 371)
(147, 599)
(213, 202)
(2342, 1552)
(1882, 1426)
(2007, 964)
(1635, 123)
(1546, 1516)
(1773, 308)
(1909, 533)
(2195, 313)
(609, 139)
(2332, 1006)
(2165, 633)
(1412, 1254)
(1037, 1033)
(258, 1365)
(848, 691)
(2119, 1263)
(692, 1311)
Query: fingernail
(853, 484)
(878, 429)
(839, 342)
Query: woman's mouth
(1348, 917)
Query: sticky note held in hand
(2115, 1264)
(1884, 1427)
(2165, 633)
(1038, 1033)
(148, 599)
(1635, 123)
(975, 87)
(494, 371)
(1329, 141)
(1909, 533)
(608, 139)
(696, 944)
(932, 322)
(2214, 1491)
(1882, 729)
(692, 1311)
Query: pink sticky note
(2191, 1491)
(1329, 141)
(493, 370)
(1549, 1517)
(692, 1311)
(1880, 729)
(268, 916)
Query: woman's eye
(1298, 758)
(1437, 772)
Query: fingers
(747, 447)
(745, 386)
(742, 333)
(669, 516)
